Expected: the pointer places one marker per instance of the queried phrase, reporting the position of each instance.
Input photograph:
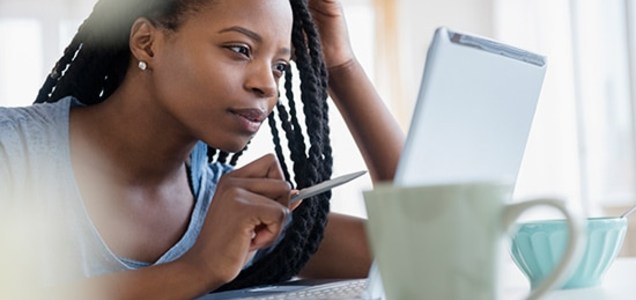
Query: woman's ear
(143, 36)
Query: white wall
(53, 14)
(418, 20)
(550, 164)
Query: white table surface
(619, 283)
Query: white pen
(324, 186)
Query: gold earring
(142, 65)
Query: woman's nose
(261, 81)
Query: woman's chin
(228, 145)
(232, 148)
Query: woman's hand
(329, 17)
(248, 212)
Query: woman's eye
(280, 68)
(240, 49)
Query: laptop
(470, 123)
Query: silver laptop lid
(473, 113)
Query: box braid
(94, 65)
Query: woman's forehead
(265, 16)
(272, 11)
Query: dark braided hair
(96, 61)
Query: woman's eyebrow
(251, 34)
(285, 52)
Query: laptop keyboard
(351, 289)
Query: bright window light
(20, 61)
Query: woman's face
(217, 76)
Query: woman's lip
(250, 120)
(252, 114)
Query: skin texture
(214, 79)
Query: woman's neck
(129, 138)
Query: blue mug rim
(604, 220)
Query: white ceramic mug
(444, 241)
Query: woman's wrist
(343, 68)
(343, 76)
(199, 272)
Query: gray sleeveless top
(39, 194)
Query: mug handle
(574, 249)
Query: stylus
(325, 186)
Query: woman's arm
(175, 280)
(374, 129)
(344, 251)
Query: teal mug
(537, 248)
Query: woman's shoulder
(40, 124)
(31, 130)
(34, 114)
(32, 138)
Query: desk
(619, 284)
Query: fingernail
(288, 217)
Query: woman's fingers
(263, 176)
(272, 189)
(259, 192)
(330, 20)
(248, 212)
(297, 203)
(270, 223)
(260, 218)
(265, 167)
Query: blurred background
(582, 144)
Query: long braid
(312, 106)
(237, 155)
(314, 96)
(314, 93)
(277, 147)
(313, 39)
(222, 158)
(211, 153)
(95, 63)
(293, 130)
(58, 71)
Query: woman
(130, 142)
